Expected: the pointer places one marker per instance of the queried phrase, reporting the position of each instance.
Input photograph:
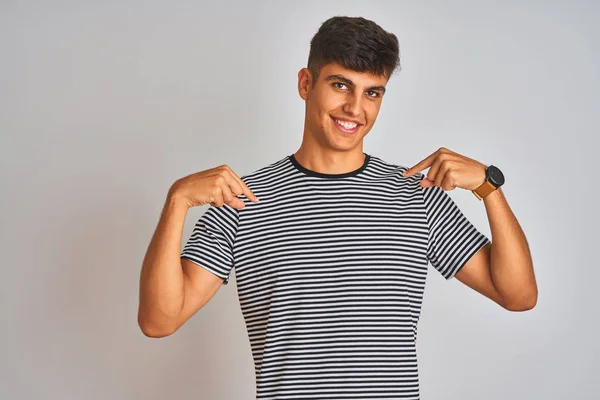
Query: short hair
(355, 43)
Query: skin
(346, 95)
(502, 271)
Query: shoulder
(394, 171)
(262, 173)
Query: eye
(339, 84)
(373, 94)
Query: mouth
(346, 126)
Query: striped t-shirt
(330, 272)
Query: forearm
(161, 278)
(510, 263)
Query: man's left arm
(503, 269)
(505, 265)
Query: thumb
(427, 183)
(237, 203)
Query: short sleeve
(211, 243)
(453, 239)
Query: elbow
(524, 304)
(520, 307)
(153, 330)
(154, 333)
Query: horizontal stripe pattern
(331, 271)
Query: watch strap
(482, 191)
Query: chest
(311, 238)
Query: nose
(352, 105)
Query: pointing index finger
(249, 194)
(423, 164)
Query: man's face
(342, 106)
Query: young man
(331, 262)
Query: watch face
(495, 176)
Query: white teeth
(347, 125)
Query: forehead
(358, 78)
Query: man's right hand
(217, 186)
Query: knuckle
(216, 192)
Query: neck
(330, 161)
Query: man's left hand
(450, 170)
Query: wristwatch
(493, 180)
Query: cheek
(331, 102)
(319, 106)
(372, 114)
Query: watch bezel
(494, 176)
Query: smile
(346, 126)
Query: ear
(304, 83)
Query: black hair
(355, 43)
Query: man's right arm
(172, 289)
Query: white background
(103, 105)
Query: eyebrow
(348, 82)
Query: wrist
(494, 179)
(176, 200)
